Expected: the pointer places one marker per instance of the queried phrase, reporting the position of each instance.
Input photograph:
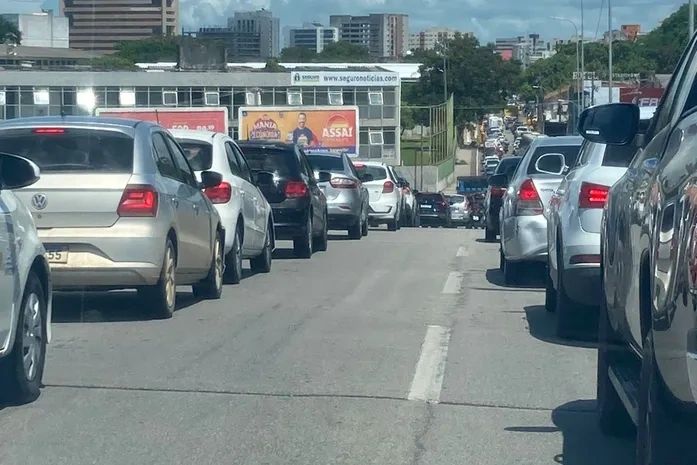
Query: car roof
(266, 143)
(195, 135)
(371, 163)
(324, 154)
(558, 140)
(75, 121)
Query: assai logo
(265, 128)
(338, 132)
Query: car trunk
(377, 185)
(546, 185)
(590, 218)
(279, 161)
(430, 204)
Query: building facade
(41, 29)
(430, 38)
(263, 23)
(385, 35)
(375, 91)
(239, 45)
(313, 37)
(101, 24)
(525, 49)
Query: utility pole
(445, 78)
(583, 64)
(609, 48)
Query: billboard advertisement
(344, 78)
(214, 119)
(642, 96)
(331, 129)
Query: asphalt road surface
(403, 348)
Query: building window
(41, 97)
(375, 98)
(212, 99)
(294, 97)
(336, 97)
(252, 98)
(169, 98)
(127, 97)
(3, 100)
(375, 138)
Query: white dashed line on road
(462, 252)
(453, 285)
(430, 369)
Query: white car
(574, 218)
(520, 130)
(25, 288)
(385, 194)
(244, 212)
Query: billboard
(214, 119)
(344, 78)
(642, 96)
(331, 129)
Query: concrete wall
(44, 30)
(430, 180)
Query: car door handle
(175, 201)
(195, 208)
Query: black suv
(299, 206)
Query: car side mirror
(263, 178)
(612, 124)
(498, 180)
(551, 163)
(17, 172)
(324, 176)
(210, 179)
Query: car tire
(262, 262)
(364, 227)
(510, 271)
(489, 235)
(566, 310)
(161, 299)
(612, 416)
(355, 231)
(233, 261)
(20, 384)
(211, 287)
(322, 241)
(550, 292)
(302, 245)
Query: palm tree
(9, 33)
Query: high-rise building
(259, 22)
(385, 35)
(525, 49)
(101, 24)
(41, 29)
(428, 39)
(239, 45)
(313, 37)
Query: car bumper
(524, 238)
(382, 213)
(582, 284)
(433, 217)
(290, 220)
(343, 211)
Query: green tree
(343, 51)
(273, 66)
(149, 50)
(9, 33)
(298, 55)
(665, 44)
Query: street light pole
(579, 73)
(583, 64)
(445, 78)
(609, 50)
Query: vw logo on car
(39, 201)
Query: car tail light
(138, 200)
(592, 195)
(49, 131)
(529, 203)
(296, 189)
(343, 183)
(222, 193)
(388, 187)
(497, 192)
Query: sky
(487, 19)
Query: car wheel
(211, 287)
(612, 416)
(302, 246)
(355, 230)
(510, 271)
(566, 309)
(489, 235)
(662, 436)
(322, 241)
(262, 262)
(233, 261)
(22, 370)
(364, 227)
(550, 292)
(161, 298)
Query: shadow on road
(543, 326)
(339, 237)
(484, 241)
(533, 278)
(107, 307)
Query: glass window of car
(71, 149)
(377, 172)
(508, 166)
(456, 199)
(232, 159)
(585, 153)
(198, 153)
(351, 167)
(618, 155)
(429, 197)
(326, 163)
(279, 161)
(245, 172)
(307, 169)
(164, 161)
(570, 153)
(181, 163)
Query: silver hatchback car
(118, 206)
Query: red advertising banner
(642, 96)
(214, 119)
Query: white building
(313, 37)
(429, 38)
(41, 29)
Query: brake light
(592, 195)
(296, 189)
(343, 183)
(222, 193)
(498, 191)
(48, 131)
(529, 203)
(387, 187)
(138, 200)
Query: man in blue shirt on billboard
(302, 135)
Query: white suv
(25, 288)
(384, 191)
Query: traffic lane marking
(430, 369)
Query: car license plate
(58, 255)
(425, 205)
(475, 217)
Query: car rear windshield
(507, 166)
(377, 172)
(471, 184)
(457, 198)
(570, 153)
(325, 163)
(199, 153)
(281, 162)
(425, 197)
(61, 150)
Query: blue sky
(488, 19)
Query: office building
(525, 49)
(259, 22)
(239, 45)
(428, 39)
(385, 35)
(313, 37)
(101, 24)
(41, 29)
